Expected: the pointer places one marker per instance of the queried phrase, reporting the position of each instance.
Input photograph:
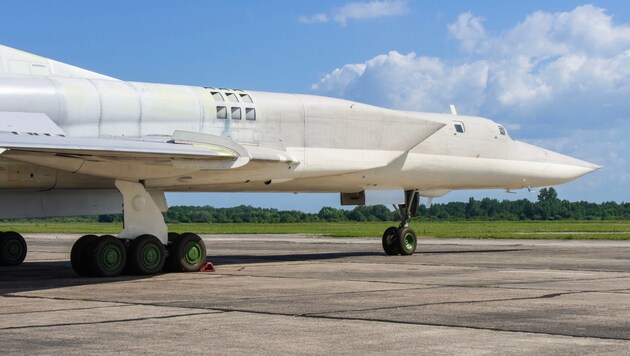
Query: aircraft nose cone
(582, 168)
(575, 167)
(549, 167)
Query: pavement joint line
(322, 279)
(211, 311)
(106, 321)
(119, 303)
(498, 286)
(425, 264)
(65, 310)
(498, 283)
(475, 328)
(545, 296)
(341, 318)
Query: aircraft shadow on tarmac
(244, 259)
(32, 276)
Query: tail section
(13, 61)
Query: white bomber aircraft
(75, 142)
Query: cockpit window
(502, 131)
(459, 127)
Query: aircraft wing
(182, 150)
(113, 148)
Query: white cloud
(359, 11)
(408, 82)
(368, 10)
(469, 30)
(317, 18)
(548, 67)
(548, 75)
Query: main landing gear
(108, 256)
(403, 240)
(144, 247)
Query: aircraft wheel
(406, 241)
(107, 257)
(146, 255)
(12, 249)
(172, 236)
(79, 257)
(390, 246)
(187, 253)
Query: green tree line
(547, 207)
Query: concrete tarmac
(311, 295)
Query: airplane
(75, 142)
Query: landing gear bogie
(108, 256)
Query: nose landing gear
(402, 240)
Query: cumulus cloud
(553, 76)
(407, 82)
(359, 11)
(551, 65)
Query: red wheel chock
(208, 267)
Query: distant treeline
(547, 207)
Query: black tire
(146, 255)
(172, 236)
(168, 265)
(107, 257)
(79, 258)
(12, 249)
(406, 241)
(187, 253)
(390, 244)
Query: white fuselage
(335, 145)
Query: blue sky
(556, 73)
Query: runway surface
(310, 295)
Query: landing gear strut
(402, 240)
(144, 247)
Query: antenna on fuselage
(453, 110)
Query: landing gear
(108, 256)
(402, 240)
(144, 247)
(12, 249)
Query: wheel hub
(408, 241)
(111, 258)
(192, 253)
(150, 256)
(14, 250)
